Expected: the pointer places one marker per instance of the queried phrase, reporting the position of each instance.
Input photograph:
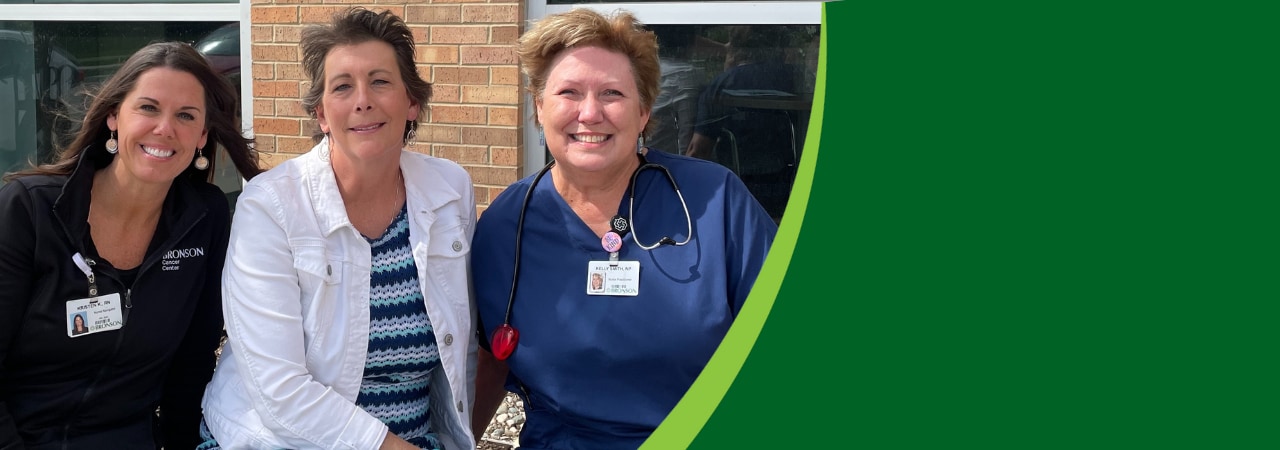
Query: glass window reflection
(739, 95)
(48, 70)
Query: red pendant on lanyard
(504, 341)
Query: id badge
(613, 278)
(94, 315)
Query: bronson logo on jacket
(171, 259)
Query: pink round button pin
(611, 242)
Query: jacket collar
(180, 210)
(425, 188)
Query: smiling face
(160, 123)
(365, 104)
(590, 109)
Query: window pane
(739, 95)
(49, 69)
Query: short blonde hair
(581, 27)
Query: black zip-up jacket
(102, 390)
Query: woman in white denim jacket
(317, 355)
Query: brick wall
(465, 50)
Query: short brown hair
(581, 27)
(355, 26)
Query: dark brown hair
(222, 120)
(354, 26)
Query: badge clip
(85, 266)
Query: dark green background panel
(1032, 226)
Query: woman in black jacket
(125, 230)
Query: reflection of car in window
(222, 48)
(36, 79)
(56, 80)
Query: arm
(192, 364)
(17, 250)
(490, 377)
(263, 309)
(746, 219)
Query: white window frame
(669, 13)
(154, 12)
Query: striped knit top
(402, 346)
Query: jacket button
(448, 339)
(328, 269)
(459, 405)
(457, 246)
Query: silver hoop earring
(113, 146)
(201, 162)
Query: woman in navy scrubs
(678, 242)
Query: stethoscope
(505, 337)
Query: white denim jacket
(296, 301)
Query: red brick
(440, 133)
(445, 93)
(269, 160)
(286, 33)
(294, 144)
(504, 116)
(286, 89)
(489, 136)
(501, 176)
(287, 127)
(461, 75)
(494, 192)
(433, 14)
(474, 54)
(421, 33)
(260, 33)
(441, 34)
(290, 71)
(504, 34)
(504, 156)
(264, 106)
(437, 54)
(504, 95)
(471, 115)
(462, 154)
(505, 75)
(319, 14)
(290, 107)
(270, 53)
(263, 71)
(273, 14)
(490, 13)
(264, 144)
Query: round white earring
(113, 146)
(201, 162)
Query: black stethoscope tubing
(524, 206)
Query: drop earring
(409, 137)
(201, 162)
(113, 146)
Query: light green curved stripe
(691, 414)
